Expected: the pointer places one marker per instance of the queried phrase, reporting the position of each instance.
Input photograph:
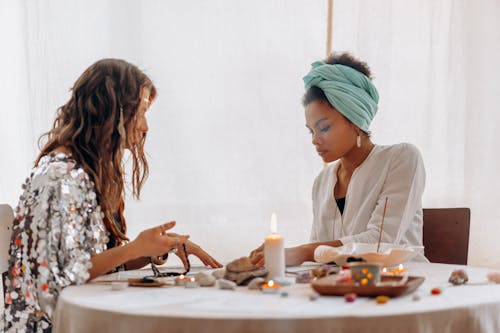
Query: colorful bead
(382, 299)
(436, 291)
(350, 297)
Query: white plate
(388, 255)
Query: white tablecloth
(97, 308)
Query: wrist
(132, 250)
(308, 252)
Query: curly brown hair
(91, 126)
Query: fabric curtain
(433, 65)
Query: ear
(356, 129)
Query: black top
(341, 204)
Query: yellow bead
(382, 299)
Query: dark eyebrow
(322, 119)
(319, 121)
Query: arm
(149, 243)
(294, 256)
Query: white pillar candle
(274, 252)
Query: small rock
(243, 264)
(226, 284)
(415, 297)
(304, 277)
(458, 277)
(285, 280)
(284, 294)
(219, 274)
(313, 297)
(205, 279)
(256, 283)
(242, 278)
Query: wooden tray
(327, 286)
(137, 282)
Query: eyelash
(324, 129)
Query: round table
(94, 307)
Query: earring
(358, 141)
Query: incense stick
(382, 225)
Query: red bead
(350, 297)
(436, 291)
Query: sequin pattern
(58, 226)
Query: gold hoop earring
(358, 141)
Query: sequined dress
(58, 226)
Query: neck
(350, 161)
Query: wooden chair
(6, 219)
(446, 235)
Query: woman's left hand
(196, 250)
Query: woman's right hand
(156, 242)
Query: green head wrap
(349, 91)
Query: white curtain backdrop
(227, 143)
(436, 70)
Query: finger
(208, 260)
(183, 258)
(168, 225)
(182, 239)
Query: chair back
(6, 219)
(446, 235)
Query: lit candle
(401, 270)
(192, 283)
(270, 287)
(180, 280)
(274, 251)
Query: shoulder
(60, 173)
(400, 151)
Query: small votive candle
(180, 280)
(366, 274)
(191, 283)
(270, 287)
(401, 270)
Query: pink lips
(321, 152)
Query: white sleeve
(314, 237)
(403, 189)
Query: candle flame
(401, 267)
(270, 283)
(274, 224)
(181, 276)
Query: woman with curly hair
(69, 226)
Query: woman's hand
(156, 241)
(196, 250)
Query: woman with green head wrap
(349, 195)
